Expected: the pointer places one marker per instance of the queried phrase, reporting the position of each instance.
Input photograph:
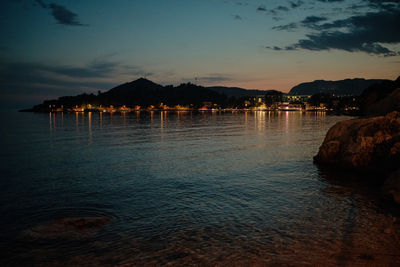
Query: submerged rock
(84, 222)
(363, 144)
(70, 228)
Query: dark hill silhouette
(138, 92)
(238, 92)
(341, 87)
(141, 92)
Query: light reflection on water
(204, 188)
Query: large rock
(363, 144)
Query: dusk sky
(54, 48)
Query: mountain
(238, 92)
(143, 92)
(341, 87)
(140, 92)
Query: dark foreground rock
(366, 144)
(363, 144)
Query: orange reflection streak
(50, 121)
(259, 120)
(137, 115)
(90, 127)
(77, 121)
(245, 120)
(286, 121)
(162, 118)
(123, 114)
(62, 119)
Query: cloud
(41, 3)
(308, 22)
(276, 48)
(214, 78)
(362, 33)
(209, 79)
(312, 20)
(32, 81)
(330, 1)
(237, 17)
(61, 14)
(273, 11)
(261, 8)
(383, 4)
(286, 27)
(282, 8)
(242, 4)
(97, 69)
(296, 4)
(64, 16)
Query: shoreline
(328, 112)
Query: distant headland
(338, 96)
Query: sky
(53, 48)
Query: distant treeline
(145, 93)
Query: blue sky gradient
(55, 48)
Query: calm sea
(183, 188)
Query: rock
(69, 228)
(391, 187)
(84, 222)
(380, 99)
(363, 144)
(390, 103)
(388, 231)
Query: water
(183, 188)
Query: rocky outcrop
(363, 144)
(389, 103)
(366, 144)
(380, 99)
